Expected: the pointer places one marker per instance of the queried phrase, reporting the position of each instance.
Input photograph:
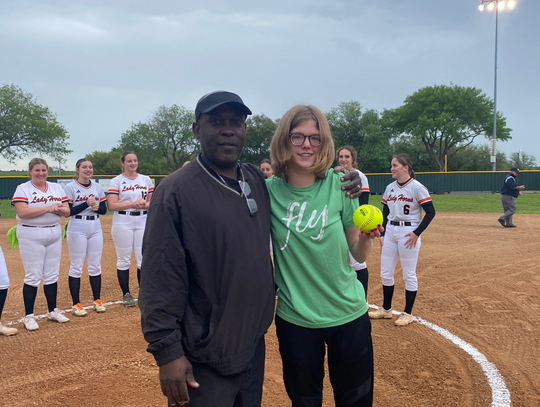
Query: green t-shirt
(317, 286)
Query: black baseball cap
(215, 99)
(515, 169)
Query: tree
(364, 132)
(259, 132)
(106, 163)
(523, 161)
(166, 139)
(415, 149)
(139, 139)
(446, 119)
(375, 153)
(470, 158)
(476, 158)
(27, 128)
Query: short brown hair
(280, 150)
(354, 155)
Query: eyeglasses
(252, 205)
(298, 139)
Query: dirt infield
(477, 280)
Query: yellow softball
(367, 217)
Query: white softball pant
(41, 250)
(4, 278)
(394, 249)
(85, 239)
(127, 233)
(355, 265)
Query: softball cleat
(99, 307)
(78, 310)
(128, 300)
(30, 322)
(404, 319)
(57, 316)
(380, 313)
(6, 331)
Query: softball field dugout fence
(435, 182)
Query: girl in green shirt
(321, 303)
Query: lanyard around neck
(217, 176)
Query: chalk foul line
(500, 395)
(21, 320)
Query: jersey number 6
(406, 209)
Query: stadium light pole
(497, 5)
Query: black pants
(239, 390)
(350, 362)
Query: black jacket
(509, 184)
(207, 286)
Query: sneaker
(511, 226)
(128, 300)
(30, 322)
(98, 306)
(57, 316)
(502, 222)
(404, 319)
(4, 330)
(380, 313)
(78, 310)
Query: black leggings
(350, 362)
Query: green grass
(14, 173)
(8, 211)
(488, 203)
(24, 173)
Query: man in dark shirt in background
(207, 289)
(509, 192)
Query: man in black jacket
(207, 289)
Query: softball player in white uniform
(84, 234)
(4, 285)
(347, 157)
(40, 205)
(129, 197)
(403, 202)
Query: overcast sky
(102, 65)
